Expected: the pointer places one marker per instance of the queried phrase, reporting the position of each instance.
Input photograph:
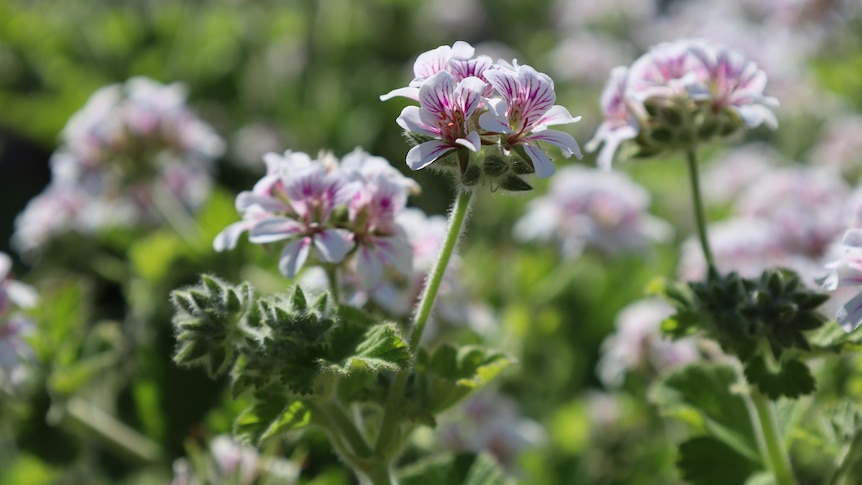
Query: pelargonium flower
(637, 343)
(680, 94)
(524, 112)
(132, 153)
(446, 105)
(846, 271)
(494, 116)
(592, 208)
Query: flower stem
(332, 276)
(849, 457)
(769, 440)
(700, 214)
(391, 415)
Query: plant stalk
(699, 213)
(769, 440)
(457, 217)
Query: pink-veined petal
(423, 154)
(406, 92)
(538, 92)
(411, 120)
(436, 98)
(494, 123)
(472, 142)
(274, 229)
(332, 245)
(565, 141)
(293, 256)
(431, 62)
(541, 162)
(557, 115)
(505, 82)
(246, 200)
(462, 50)
(469, 93)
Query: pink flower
(619, 124)
(445, 107)
(458, 60)
(846, 271)
(524, 113)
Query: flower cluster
(468, 104)
(846, 271)
(14, 326)
(680, 94)
(593, 208)
(234, 463)
(328, 210)
(132, 147)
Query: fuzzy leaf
(709, 461)
(272, 413)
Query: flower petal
(229, 236)
(473, 142)
(541, 162)
(436, 97)
(557, 115)
(369, 268)
(332, 245)
(538, 92)
(293, 256)
(407, 92)
(559, 138)
(246, 200)
(505, 82)
(849, 316)
(411, 120)
(423, 154)
(469, 92)
(274, 229)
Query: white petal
(22, 295)
(246, 200)
(274, 229)
(369, 267)
(423, 154)
(410, 120)
(293, 256)
(541, 162)
(559, 138)
(229, 236)
(850, 315)
(557, 115)
(473, 142)
(332, 245)
(494, 123)
(408, 92)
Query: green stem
(338, 423)
(391, 415)
(699, 213)
(849, 457)
(332, 276)
(769, 440)
(175, 214)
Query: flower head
(846, 271)
(680, 94)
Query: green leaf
(465, 468)
(450, 374)
(153, 256)
(701, 396)
(709, 461)
(792, 380)
(273, 412)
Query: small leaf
(792, 380)
(708, 461)
(272, 413)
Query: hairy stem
(699, 213)
(769, 440)
(391, 415)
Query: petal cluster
(467, 103)
(131, 146)
(680, 94)
(324, 210)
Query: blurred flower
(846, 271)
(132, 149)
(14, 326)
(680, 94)
(804, 204)
(234, 464)
(593, 208)
(839, 146)
(728, 174)
(638, 343)
(490, 422)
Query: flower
(638, 343)
(524, 113)
(445, 107)
(846, 271)
(593, 208)
(680, 94)
(492, 115)
(14, 326)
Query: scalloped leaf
(701, 396)
(271, 414)
(705, 460)
(792, 380)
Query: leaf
(272, 413)
(153, 256)
(709, 461)
(700, 395)
(465, 468)
(451, 374)
(792, 380)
